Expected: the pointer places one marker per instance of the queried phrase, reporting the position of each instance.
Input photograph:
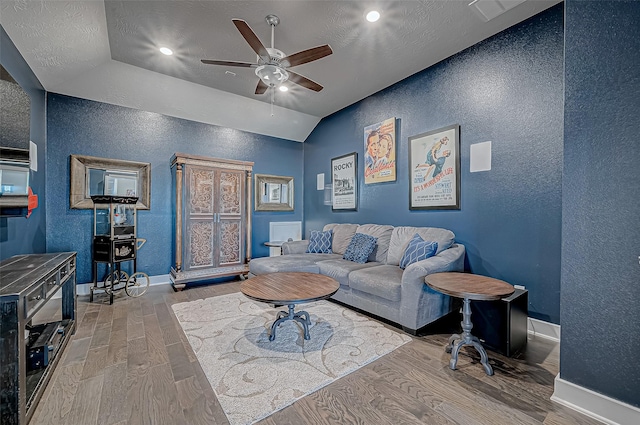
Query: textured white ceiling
(108, 51)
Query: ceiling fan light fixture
(166, 51)
(272, 65)
(372, 16)
(284, 88)
(272, 75)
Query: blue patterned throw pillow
(360, 247)
(319, 242)
(417, 250)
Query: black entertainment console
(29, 352)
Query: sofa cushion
(360, 248)
(382, 281)
(295, 247)
(401, 236)
(383, 234)
(342, 234)
(288, 263)
(319, 242)
(339, 269)
(418, 249)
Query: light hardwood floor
(130, 363)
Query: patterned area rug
(254, 377)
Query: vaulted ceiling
(107, 50)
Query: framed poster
(434, 169)
(344, 184)
(380, 152)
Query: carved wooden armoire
(212, 227)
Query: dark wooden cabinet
(27, 283)
(502, 325)
(212, 218)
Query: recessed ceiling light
(373, 16)
(284, 88)
(166, 51)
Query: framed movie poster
(380, 152)
(434, 169)
(344, 184)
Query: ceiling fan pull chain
(273, 95)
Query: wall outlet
(519, 287)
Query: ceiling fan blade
(304, 81)
(308, 55)
(261, 88)
(229, 63)
(252, 39)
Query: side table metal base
(467, 339)
(300, 317)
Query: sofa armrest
(449, 260)
(295, 247)
(418, 301)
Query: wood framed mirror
(273, 193)
(91, 175)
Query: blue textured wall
(601, 199)
(507, 89)
(83, 127)
(19, 235)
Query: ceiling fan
(273, 65)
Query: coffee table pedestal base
(467, 339)
(300, 317)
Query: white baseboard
(85, 288)
(593, 404)
(542, 329)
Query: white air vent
(489, 9)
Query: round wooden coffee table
(289, 289)
(468, 287)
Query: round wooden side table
(289, 289)
(468, 287)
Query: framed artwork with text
(434, 169)
(380, 152)
(344, 182)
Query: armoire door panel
(200, 187)
(201, 239)
(230, 244)
(231, 197)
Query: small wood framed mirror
(273, 193)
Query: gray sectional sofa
(378, 286)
